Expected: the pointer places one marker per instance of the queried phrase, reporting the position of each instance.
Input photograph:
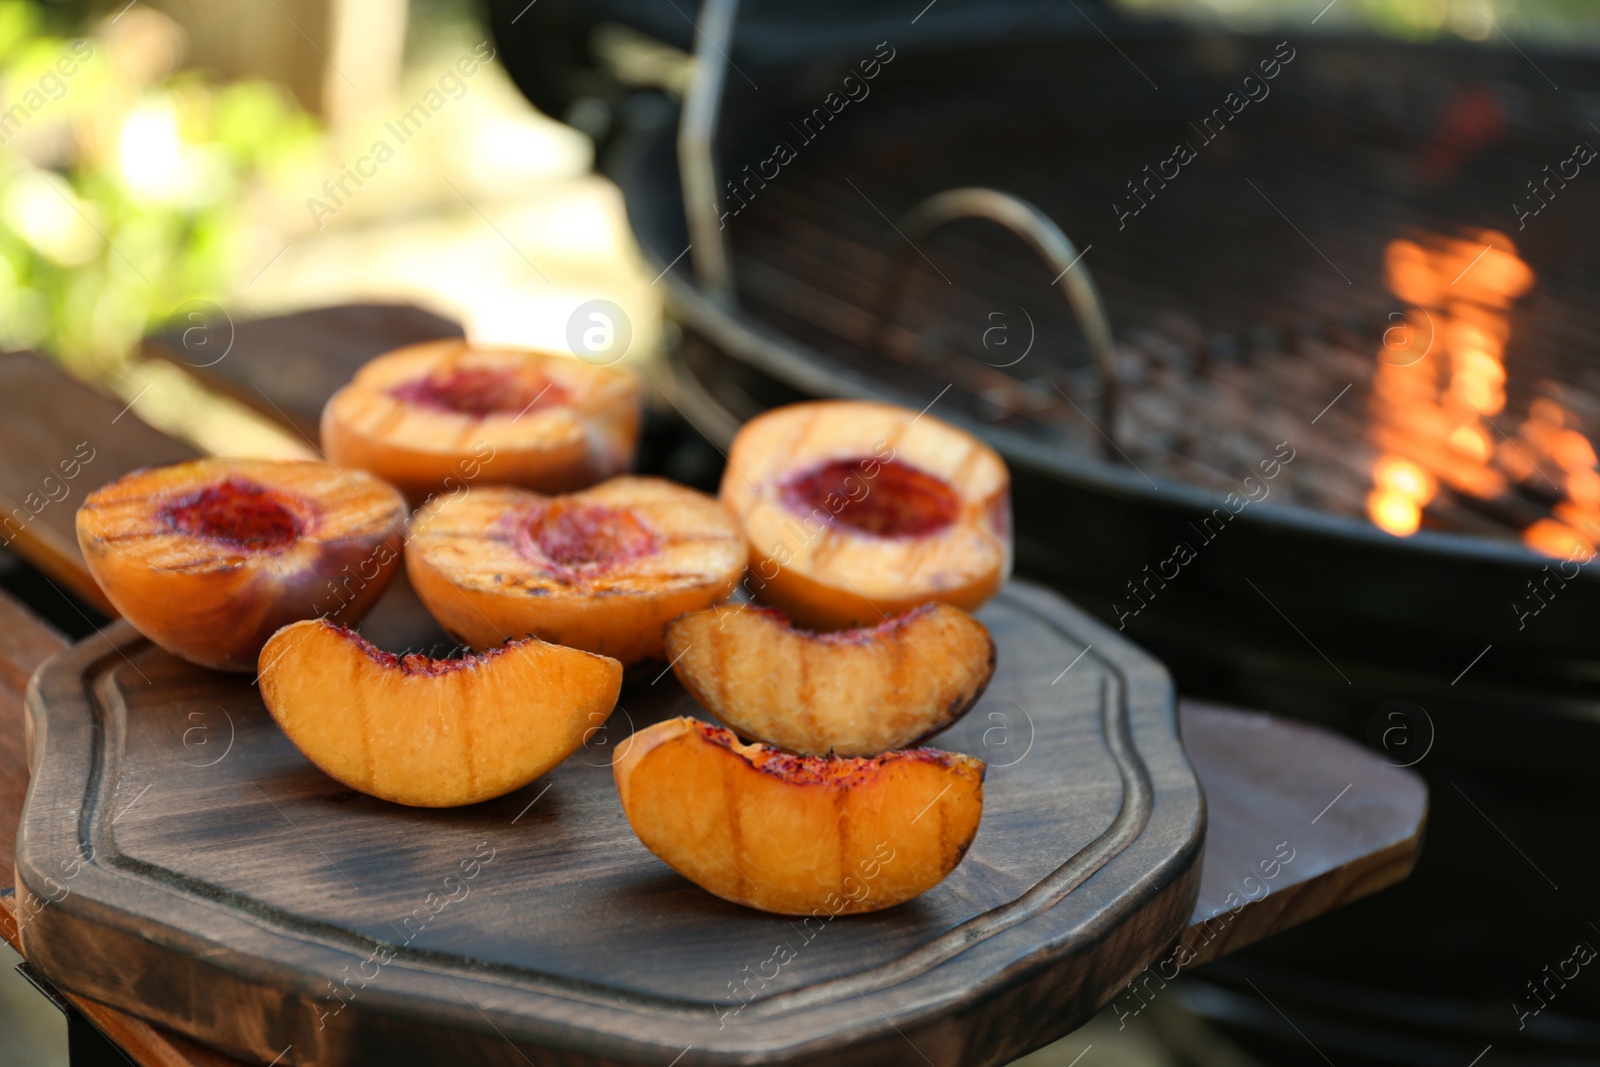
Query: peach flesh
(432, 732)
(209, 558)
(826, 573)
(859, 635)
(480, 392)
(587, 537)
(421, 663)
(899, 501)
(790, 834)
(238, 512)
(604, 570)
(800, 769)
(848, 693)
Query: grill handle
(1045, 238)
(697, 150)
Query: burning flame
(1549, 433)
(1435, 417)
(1400, 489)
(1440, 383)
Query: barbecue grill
(1274, 305)
(1251, 306)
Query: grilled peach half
(208, 558)
(858, 511)
(603, 570)
(443, 415)
(846, 693)
(432, 733)
(798, 835)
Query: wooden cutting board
(180, 860)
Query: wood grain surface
(62, 440)
(1300, 821)
(26, 641)
(199, 872)
(286, 367)
(143, 1044)
(1265, 780)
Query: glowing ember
(1583, 486)
(1440, 383)
(1404, 478)
(1552, 453)
(1435, 403)
(1394, 513)
(1473, 442)
(1557, 539)
(1400, 489)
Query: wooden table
(1351, 822)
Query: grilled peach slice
(444, 414)
(603, 570)
(208, 558)
(432, 733)
(845, 693)
(798, 835)
(859, 511)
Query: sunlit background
(157, 154)
(216, 152)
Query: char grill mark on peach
(730, 804)
(1000, 516)
(720, 651)
(237, 512)
(959, 701)
(481, 392)
(854, 693)
(875, 497)
(440, 416)
(469, 751)
(603, 570)
(208, 558)
(797, 446)
(828, 825)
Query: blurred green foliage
(125, 189)
(1537, 23)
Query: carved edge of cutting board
(144, 1044)
(25, 642)
(966, 1009)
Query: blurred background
(168, 166)
(193, 153)
(188, 156)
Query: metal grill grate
(1249, 293)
